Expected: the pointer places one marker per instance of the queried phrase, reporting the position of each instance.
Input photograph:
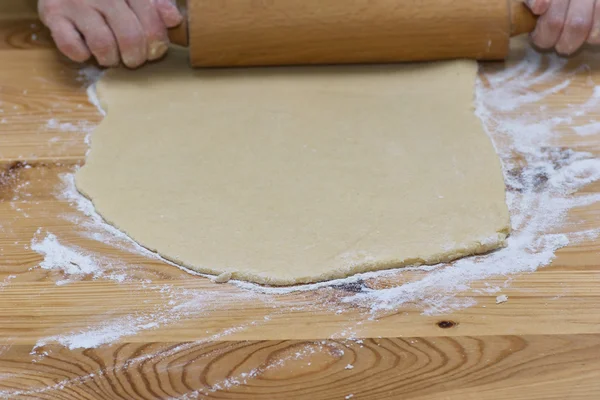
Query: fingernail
(131, 61)
(157, 49)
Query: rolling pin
(229, 33)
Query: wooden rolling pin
(223, 33)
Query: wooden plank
(479, 368)
(541, 344)
(18, 9)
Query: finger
(594, 36)
(550, 25)
(67, 39)
(169, 13)
(98, 36)
(577, 26)
(154, 28)
(128, 32)
(538, 7)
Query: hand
(131, 31)
(566, 25)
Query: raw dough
(291, 175)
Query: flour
(107, 332)
(501, 299)
(542, 181)
(93, 98)
(576, 176)
(58, 257)
(64, 127)
(89, 75)
(7, 280)
(590, 129)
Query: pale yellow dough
(293, 175)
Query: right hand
(566, 25)
(131, 31)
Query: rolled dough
(293, 175)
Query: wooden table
(544, 343)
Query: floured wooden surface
(82, 295)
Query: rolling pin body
(222, 33)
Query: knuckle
(555, 23)
(101, 45)
(156, 33)
(48, 7)
(132, 39)
(68, 49)
(73, 51)
(104, 52)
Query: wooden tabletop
(185, 337)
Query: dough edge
(483, 246)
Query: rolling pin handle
(522, 20)
(180, 34)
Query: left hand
(131, 31)
(566, 25)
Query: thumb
(539, 7)
(168, 11)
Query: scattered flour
(93, 98)
(501, 299)
(6, 281)
(68, 260)
(108, 332)
(68, 126)
(89, 75)
(590, 129)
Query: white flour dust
(501, 299)
(542, 179)
(81, 126)
(66, 259)
(177, 305)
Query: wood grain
(249, 32)
(544, 343)
(500, 367)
